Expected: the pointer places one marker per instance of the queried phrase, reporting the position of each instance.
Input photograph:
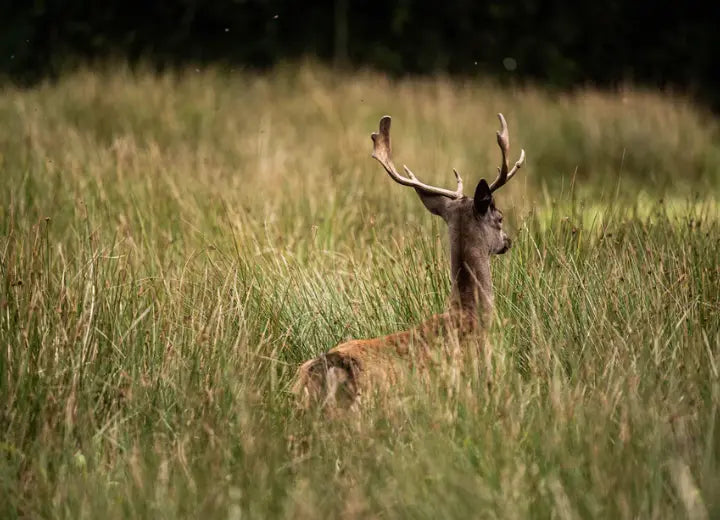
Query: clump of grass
(172, 246)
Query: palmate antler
(382, 151)
(503, 140)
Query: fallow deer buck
(475, 230)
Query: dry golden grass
(173, 245)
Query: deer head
(475, 224)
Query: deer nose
(507, 243)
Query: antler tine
(503, 139)
(382, 151)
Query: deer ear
(436, 204)
(483, 197)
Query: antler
(503, 140)
(382, 151)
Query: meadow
(173, 245)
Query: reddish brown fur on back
(347, 369)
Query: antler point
(410, 173)
(522, 156)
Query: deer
(475, 235)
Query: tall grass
(173, 245)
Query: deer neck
(472, 291)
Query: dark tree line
(560, 42)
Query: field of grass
(173, 245)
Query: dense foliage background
(562, 43)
